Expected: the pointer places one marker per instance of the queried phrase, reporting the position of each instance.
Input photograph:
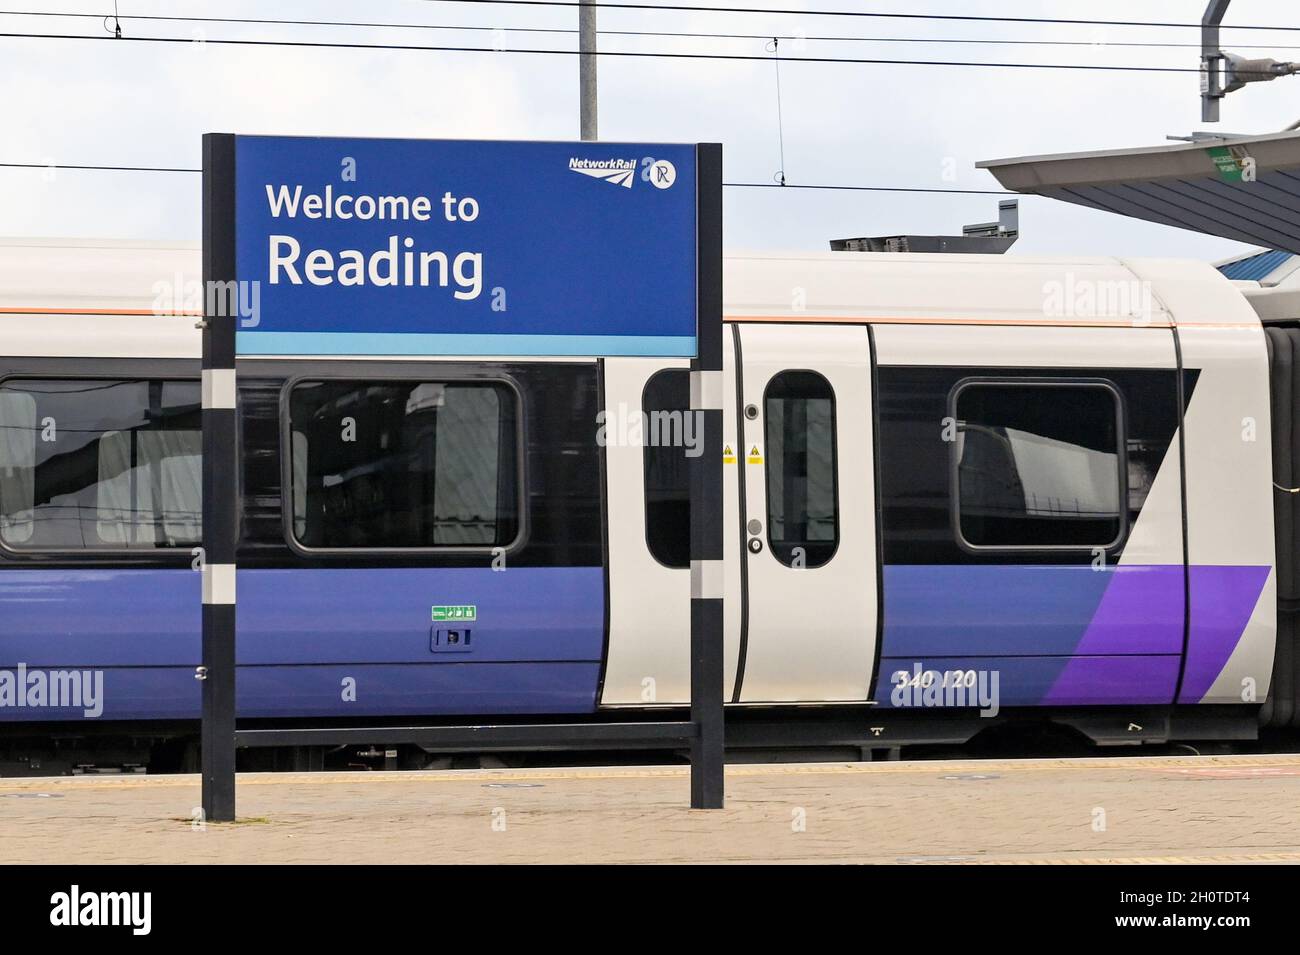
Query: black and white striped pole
(706, 505)
(220, 479)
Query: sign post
(706, 500)
(401, 248)
(220, 484)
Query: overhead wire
(637, 54)
(834, 187)
(874, 14)
(671, 34)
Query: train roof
(152, 290)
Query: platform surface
(1123, 809)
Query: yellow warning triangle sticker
(755, 455)
(728, 456)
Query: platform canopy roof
(1245, 188)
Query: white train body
(1048, 483)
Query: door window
(799, 423)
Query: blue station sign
(441, 247)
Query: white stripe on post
(706, 390)
(218, 583)
(218, 389)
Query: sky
(83, 102)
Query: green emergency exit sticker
(458, 612)
(1230, 162)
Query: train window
(1037, 464)
(667, 397)
(98, 464)
(391, 464)
(799, 426)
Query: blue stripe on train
(1064, 634)
(1031, 609)
(537, 641)
(392, 689)
(1067, 635)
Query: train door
(648, 440)
(809, 586)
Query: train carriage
(960, 490)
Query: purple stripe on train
(1141, 604)
(1068, 635)
(1223, 598)
(1141, 611)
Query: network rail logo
(660, 173)
(620, 172)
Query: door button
(755, 545)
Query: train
(962, 492)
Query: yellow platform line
(907, 767)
